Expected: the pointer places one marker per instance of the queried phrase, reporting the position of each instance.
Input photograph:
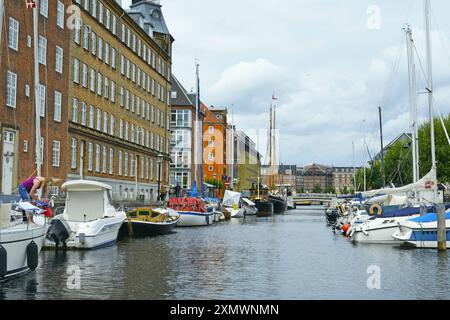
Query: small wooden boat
(147, 222)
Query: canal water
(291, 256)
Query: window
(211, 129)
(77, 35)
(106, 91)
(105, 159)
(181, 139)
(91, 117)
(105, 122)
(107, 53)
(113, 91)
(99, 84)
(84, 75)
(59, 59)
(56, 153)
(153, 114)
(75, 110)
(126, 164)
(100, 12)
(97, 158)
(114, 25)
(73, 162)
(113, 58)
(132, 133)
(86, 37)
(100, 48)
(11, 89)
(42, 52)
(111, 161)
(60, 15)
(93, 43)
(123, 33)
(147, 168)
(92, 80)
(86, 5)
(57, 106)
(132, 165)
(121, 129)
(122, 65)
(94, 8)
(128, 69)
(76, 71)
(111, 125)
(13, 34)
(127, 100)
(44, 8)
(83, 113)
(142, 168)
(151, 169)
(133, 72)
(120, 163)
(99, 119)
(132, 102)
(122, 97)
(42, 96)
(90, 156)
(108, 19)
(127, 128)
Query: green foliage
(215, 182)
(344, 191)
(317, 189)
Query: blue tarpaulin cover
(430, 217)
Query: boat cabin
(87, 201)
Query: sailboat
(192, 209)
(275, 196)
(423, 191)
(21, 239)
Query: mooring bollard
(441, 228)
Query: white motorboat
(421, 232)
(232, 204)
(20, 242)
(89, 220)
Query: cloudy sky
(330, 62)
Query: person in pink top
(29, 187)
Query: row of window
(104, 16)
(101, 159)
(99, 120)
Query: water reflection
(292, 256)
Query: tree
(317, 189)
(345, 190)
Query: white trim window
(105, 122)
(75, 110)
(105, 160)
(127, 129)
(11, 89)
(99, 119)
(90, 156)
(94, 8)
(107, 53)
(92, 80)
(77, 35)
(73, 161)
(152, 169)
(56, 153)
(59, 56)
(100, 12)
(44, 8)
(60, 14)
(91, 117)
(76, 71)
(57, 106)
(99, 84)
(126, 165)
(132, 165)
(84, 75)
(114, 25)
(100, 48)
(113, 58)
(86, 37)
(97, 158)
(111, 161)
(42, 52)
(108, 19)
(122, 97)
(83, 113)
(113, 91)
(93, 43)
(120, 128)
(112, 123)
(122, 65)
(119, 162)
(106, 89)
(42, 96)
(13, 34)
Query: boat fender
(32, 255)
(379, 210)
(3, 262)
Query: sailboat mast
(430, 87)
(36, 88)
(413, 101)
(270, 147)
(1, 20)
(383, 174)
(196, 124)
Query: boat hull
(148, 229)
(250, 211)
(265, 208)
(194, 219)
(279, 205)
(15, 241)
(423, 235)
(92, 235)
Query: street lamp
(160, 161)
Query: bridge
(311, 199)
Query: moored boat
(89, 220)
(148, 222)
(192, 212)
(279, 203)
(265, 208)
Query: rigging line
(46, 113)
(441, 35)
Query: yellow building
(247, 162)
(119, 97)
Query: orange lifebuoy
(379, 210)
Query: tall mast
(413, 101)
(196, 125)
(1, 20)
(430, 88)
(36, 88)
(383, 174)
(355, 187)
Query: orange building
(215, 166)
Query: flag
(274, 97)
(30, 4)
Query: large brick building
(119, 97)
(247, 162)
(17, 91)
